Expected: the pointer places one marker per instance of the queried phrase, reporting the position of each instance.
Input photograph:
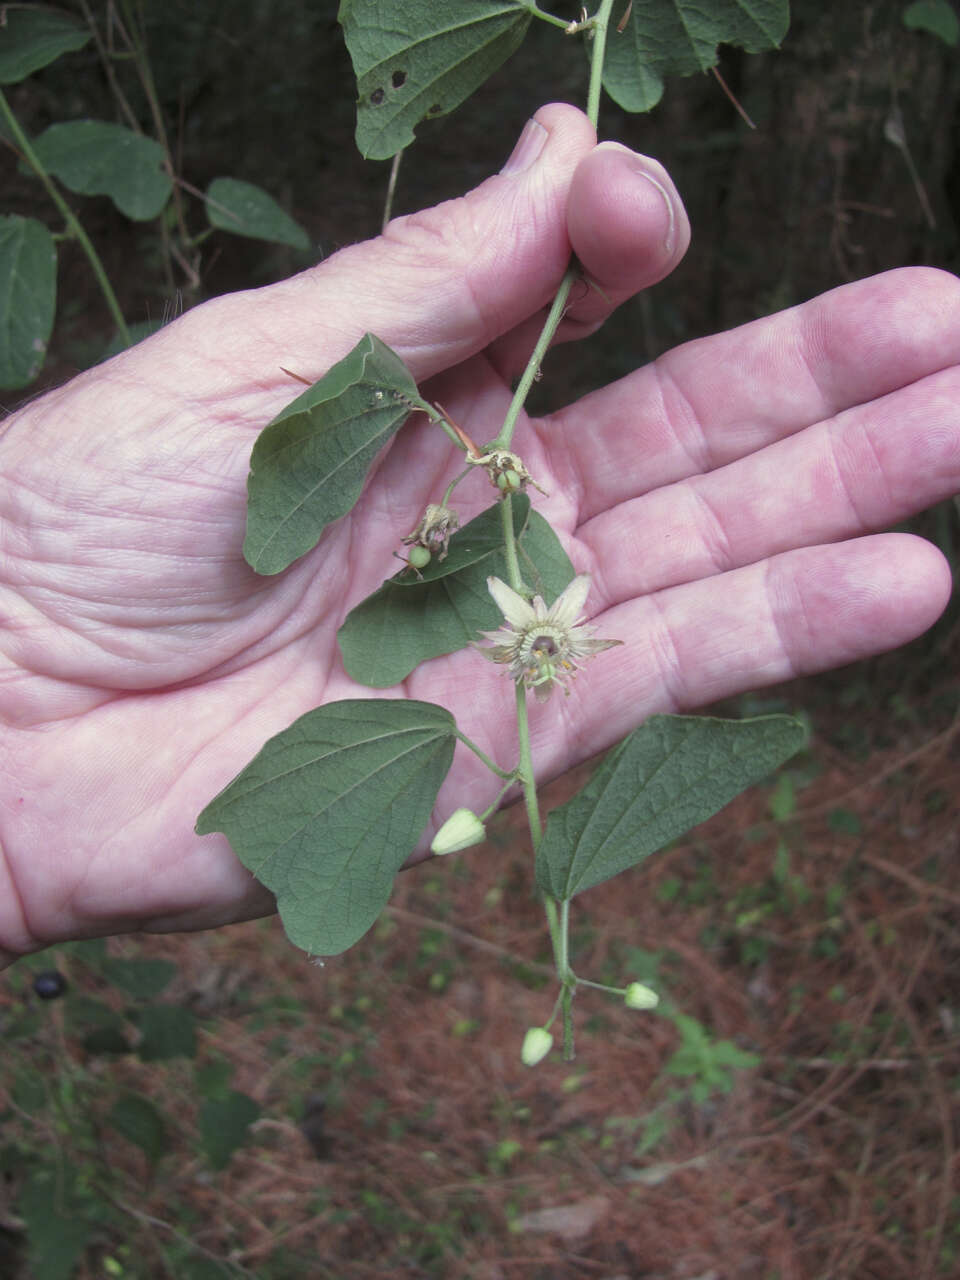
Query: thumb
(437, 286)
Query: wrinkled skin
(724, 500)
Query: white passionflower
(543, 647)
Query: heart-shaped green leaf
(96, 158)
(415, 61)
(329, 810)
(408, 620)
(33, 38)
(664, 778)
(247, 210)
(679, 37)
(28, 297)
(309, 464)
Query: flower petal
(568, 606)
(513, 607)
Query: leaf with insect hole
(417, 61)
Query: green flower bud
(637, 996)
(537, 1043)
(462, 829)
(418, 557)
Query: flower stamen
(543, 647)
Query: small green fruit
(638, 996)
(462, 829)
(418, 557)
(537, 1043)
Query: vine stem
(598, 27)
(70, 218)
(391, 189)
(509, 774)
(557, 913)
(551, 324)
(525, 774)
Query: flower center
(545, 646)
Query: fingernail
(528, 148)
(639, 168)
(651, 173)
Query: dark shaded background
(263, 90)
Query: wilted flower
(542, 646)
(505, 469)
(537, 1043)
(433, 533)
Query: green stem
(552, 18)
(558, 914)
(448, 492)
(551, 324)
(510, 774)
(525, 770)
(510, 544)
(417, 402)
(557, 922)
(492, 809)
(600, 28)
(601, 986)
(70, 218)
(391, 189)
(567, 1007)
(600, 25)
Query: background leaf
(140, 1123)
(418, 60)
(680, 37)
(936, 16)
(248, 210)
(61, 1215)
(96, 158)
(33, 38)
(168, 1031)
(224, 1125)
(406, 622)
(664, 778)
(329, 810)
(28, 298)
(309, 464)
(142, 979)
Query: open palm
(717, 498)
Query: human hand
(711, 496)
